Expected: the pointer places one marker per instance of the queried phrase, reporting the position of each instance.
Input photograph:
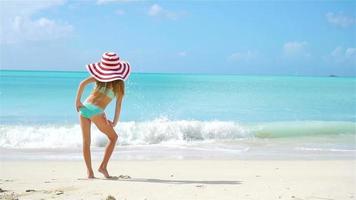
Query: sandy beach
(182, 179)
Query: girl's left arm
(81, 87)
(117, 110)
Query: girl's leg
(85, 125)
(101, 122)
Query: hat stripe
(110, 59)
(105, 73)
(109, 68)
(103, 68)
(127, 71)
(110, 63)
(98, 69)
(110, 53)
(102, 79)
(108, 78)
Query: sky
(225, 37)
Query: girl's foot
(104, 172)
(91, 174)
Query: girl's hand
(111, 123)
(78, 104)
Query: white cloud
(120, 12)
(340, 19)
(111, 1)
(21, 7)
(342, 55)
(17, 24)
(182, 53)
(157, 11)
(40, 29)
(243, 56)
(295, 49)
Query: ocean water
(183, 116)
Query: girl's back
(100, 97)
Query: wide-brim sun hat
(110, 68)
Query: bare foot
(104, 172)
(91, 174)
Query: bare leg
(85, 125)
(101, 122)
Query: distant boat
(332, 75)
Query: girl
(109, 75)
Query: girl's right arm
(81, 87)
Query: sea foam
(164, 131)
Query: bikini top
(109, 92)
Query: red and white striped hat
(110, 68)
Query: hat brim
(106, 74)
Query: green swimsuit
(90, 109)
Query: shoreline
(152, 153)
(182, 179)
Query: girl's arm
(81, 87)
(117, 110)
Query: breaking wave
(164, 131)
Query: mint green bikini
(90, 109)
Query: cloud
(340, 19)
(120, 12)
(18, 25)
(39, 29)
(295, 49)
(100, 2)
(157, 11)
(21, 7)
(182, 53)
(247, 56)
(341, 55)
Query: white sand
(182, 179)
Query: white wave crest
(130, 133)
(165, 131)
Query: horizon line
(182, 73)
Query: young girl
(109, 75)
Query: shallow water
(227, 114)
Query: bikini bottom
(90, 110)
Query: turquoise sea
(183, 115)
